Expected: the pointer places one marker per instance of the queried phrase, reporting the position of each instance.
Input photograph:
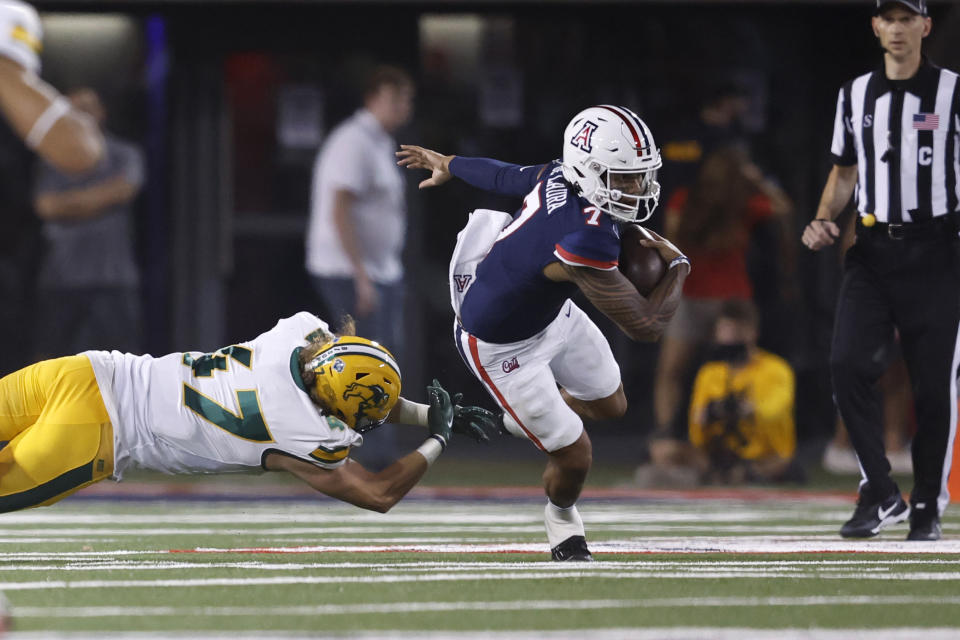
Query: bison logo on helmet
(584, 138)
(371, 397)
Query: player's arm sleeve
(330, 458)
(322, 458)
(587, 248)
(493, 175)
(843, 148)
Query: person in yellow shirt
(741, 411)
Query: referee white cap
(917, 6)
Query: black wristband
(440, 439)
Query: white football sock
(561, 523)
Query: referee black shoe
(924, 524)
(573, 549)
(871, 515)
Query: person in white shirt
(297, 398)
(358, 219)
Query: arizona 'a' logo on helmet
(357, 380)
(583, 138)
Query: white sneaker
(840, 460)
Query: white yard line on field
(604, 549)
(511, 605)
(546, 572)
(693, 566)
(712, 544)
(617, 633)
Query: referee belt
(942, 227)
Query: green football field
(669, 565)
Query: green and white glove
(441, 413)
(474, 422)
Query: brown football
(643, 266)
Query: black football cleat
(573, 549)
(924, 525)
(871, 516)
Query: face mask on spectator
(733, 352)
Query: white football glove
(21, 36)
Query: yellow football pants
(58, 434)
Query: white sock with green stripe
(561, 523)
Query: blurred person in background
(358, 220)
(717, 125)
(741, 415)
(296, 398)
(88, 288)
(711, 222)
(35, 120)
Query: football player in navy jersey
(540, 357)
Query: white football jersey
(219, 412)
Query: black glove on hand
(474, 422)
(440, 414)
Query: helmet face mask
(633, 205)
(355, 380)
(603, 146)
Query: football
(642, 266)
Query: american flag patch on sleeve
(926, 121)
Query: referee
(895, 144)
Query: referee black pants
(911, 285)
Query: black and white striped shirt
(904, 137)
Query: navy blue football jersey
(511, 299)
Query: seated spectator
(741, 424)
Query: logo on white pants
(510, 365)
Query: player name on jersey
(556, 190)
